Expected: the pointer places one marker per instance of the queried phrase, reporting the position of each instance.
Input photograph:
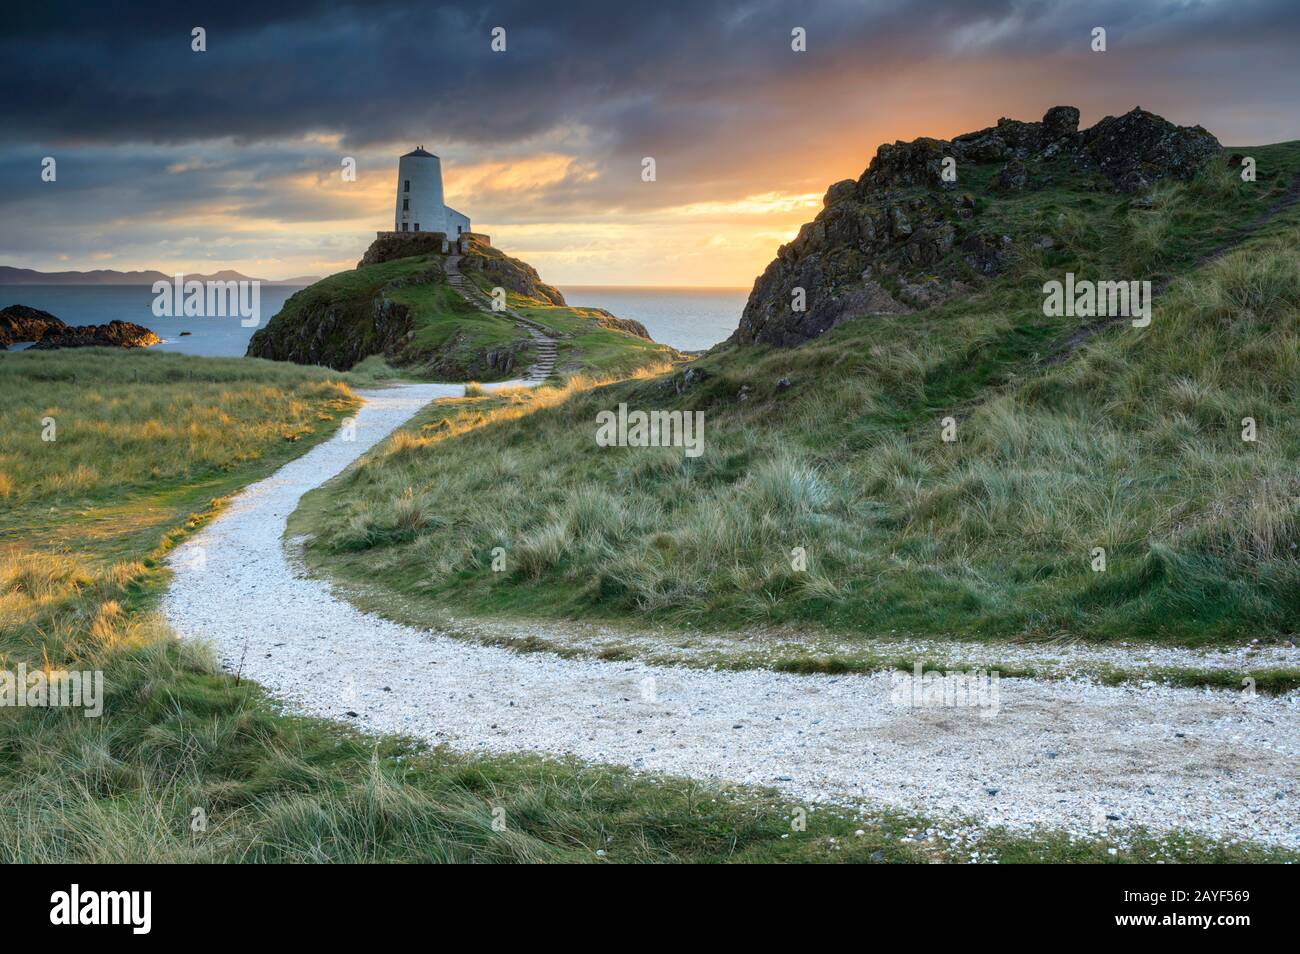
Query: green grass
(447, 319)
(584, 346)
(449, 338)
(585, 342)
(1132, 444)
(188, 764)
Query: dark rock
(986, 254)
(918, 162)
(783, 384)
(388, 248)
(1139, 148)
(929, 244)
(899, 227)
(1013, 177)
(1133, 181)
(1061, 121)
(19, 323)
(839, 192)
(878, 247)
(691, 377)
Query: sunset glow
(746, 134)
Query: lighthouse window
(406, 185)
(417, 227)
(406, 205)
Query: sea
(689, 319)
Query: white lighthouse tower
(420, 207)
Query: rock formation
(901, 237)
(21, 323)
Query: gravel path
(1064, 754)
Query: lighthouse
(420, 207)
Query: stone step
(545, 345)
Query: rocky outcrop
(903, 237)
(455, 362)
(867, 253)
(386, 248)
(335, 324)
(511, 274)
(607, 320)
(21, 323)
(1137, 149)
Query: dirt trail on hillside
(543, 344)
(1062, 754)
(1085, 334)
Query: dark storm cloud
(711, 89)
(380, 71)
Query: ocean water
(100, 304)
(690, 319)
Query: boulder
(1139, 148)
(20, 323)
(1061, 121)
(918, 162)
(987, 254)
(1013, 177)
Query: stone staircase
(543, 344)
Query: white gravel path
(1062, 754)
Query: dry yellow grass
(78, 425)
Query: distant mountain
(107, 276)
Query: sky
(232, 157)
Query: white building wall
(457, 223)
(419, 194)
(420, 200)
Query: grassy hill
(1071, 435)
(402, 311)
